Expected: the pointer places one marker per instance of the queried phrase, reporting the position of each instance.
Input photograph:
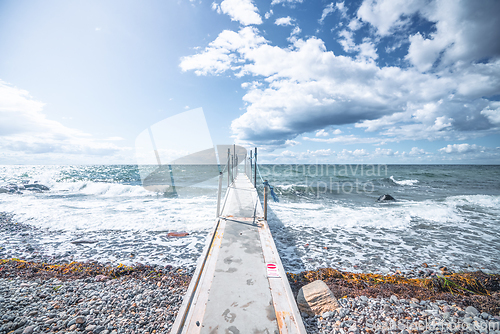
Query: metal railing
(250, 169)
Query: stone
(72, 327)
(471, 310)
(101, 278)
(90, 328)
(80, 320)
(98, 329)
(316, 298)
(36, 186)
(29, 330)
(353, 329)
(326, 315)
(363, 298)
(386, 198)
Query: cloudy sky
(307, 81)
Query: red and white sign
(272, 270)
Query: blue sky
(414, 81)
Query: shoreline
(55, 297)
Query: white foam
(486, 201)
(404, 182)
(101, 189)
(397, 215)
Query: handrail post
(228, 170)
(255, 169)
(251, 157)
(219, 195)
(265, 199)
(235, 165)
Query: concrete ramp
(239, 285)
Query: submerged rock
(83, 241)
(11, 188)
(36, 186)
(386, 198)
(177, 234)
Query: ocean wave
(404, 182)
(101, 189)
(485, 201)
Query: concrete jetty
(239, 285)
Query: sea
(326, 216)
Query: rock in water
(316, 298)
(386, 198)
(177, 234)
(76, 242)
(36, 186)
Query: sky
(306, 81)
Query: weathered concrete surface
(230, 291)
(240, 291)
(240, 299)
(316, 298)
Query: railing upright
(228, 167)
(251, 157)
(219, 195)
(265, 199)
(255, 169)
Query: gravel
(123, 305)
(392, 315)
(139, 305)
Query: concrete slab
(231, 291)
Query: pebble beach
(95, 298)
(125, 305)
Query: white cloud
(461, 148)
(243, 11)
(342, 9)
(269, 14)
(303, 87)
(415, 151)
(216, 7)
(354, 24)
(465, 30)
(326, 11)
(384, 152)
(386, 15)
(322, 133)
(296, 30)
(283, 21)
(348, 139)
(356, 153)
(221, 54)
(300, 156)
(365, 50)
(24, 129)
(492, 112)
(290, 2)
